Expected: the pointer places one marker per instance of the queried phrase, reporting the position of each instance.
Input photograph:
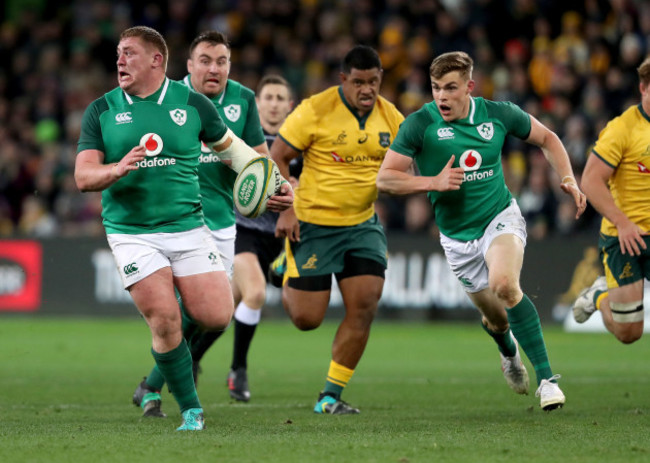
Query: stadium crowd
(572, 64)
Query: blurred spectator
(570, 64)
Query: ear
(343, 76)
(470, 86)
(157, 60)
(190, 66)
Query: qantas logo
(336, 157)
(643, 169)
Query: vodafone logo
(152, 143)
(470, 160)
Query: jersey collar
(159, 94)
(643, 113)
(362, 120)
(218, 100)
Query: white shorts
(187, 253)
(225, 239)
(467, 258)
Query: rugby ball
(255, 184)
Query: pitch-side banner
(79, 277)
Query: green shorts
(623, 268)
(322, 249)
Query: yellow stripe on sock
(600, 298)
(338, 374)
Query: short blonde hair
(452, 61)
(150, 36)
(644, 71)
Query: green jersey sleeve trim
(603, 159)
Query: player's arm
(282, 153)
(556, 154)
(595, 179)
(91, 174)
(262, 149)
(394, 177)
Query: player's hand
(129, 162)
(579, 197)
(450, 178)
(288, 226)
(630, 238)
(282, 200)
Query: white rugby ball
(255, 184)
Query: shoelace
(545, 382)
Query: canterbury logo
(129, 269)
(446, 132)
(124, 118)
(311, 262)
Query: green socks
(176, 367)
(525, 325)
(504, 341)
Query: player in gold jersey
(616, 181)
(343, 134)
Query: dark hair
(273, 79)
(452, 61)
(360, 57)
(212, 37)
(150, 36)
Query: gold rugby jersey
(624, 144)
(341, 156)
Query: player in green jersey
(616, 180)
(140, 145)
(456, 142)
(209, 68)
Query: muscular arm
(594, 183)
(282, 154)
(91, 174)
(287, 225)
(556, 154)
(393, 176)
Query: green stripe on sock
(155, 380)
(504, 341)
(525, 325)
(176, 367)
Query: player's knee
(304, 322)
(628, 317)
(506, 289)
(254, 297)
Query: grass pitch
(427, 392)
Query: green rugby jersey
(163, 194)
(236, 106)
(476, 141)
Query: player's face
(274, 103)
(135, 64)
(361, 88)
(209, 67)
(451, 93)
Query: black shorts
(264, 245)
